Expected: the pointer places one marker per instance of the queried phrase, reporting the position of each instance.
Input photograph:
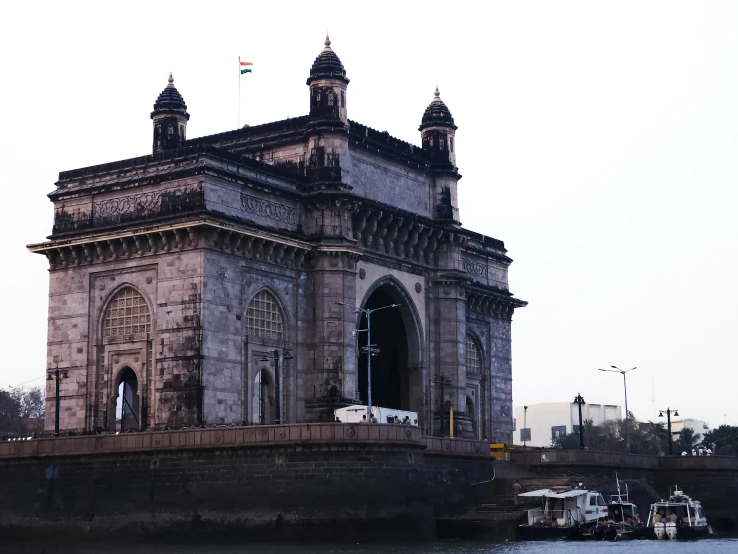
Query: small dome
(437, 113)
(170, 101)
(327, 65)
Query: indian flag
(245, 67)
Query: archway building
(188, 274)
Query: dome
(437, 113)
(170, 101)
(327, 65)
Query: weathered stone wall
(329, 481)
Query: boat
(624, 522)
(564, 513)
(679, 517)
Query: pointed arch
(265, 316)
(474, 354)
(126, 313)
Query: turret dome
(170, 101)
(437, 114)
(327, 65)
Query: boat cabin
(565, 507)
(623, 512)
(679, 509)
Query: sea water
(704, 546)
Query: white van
(355, 413)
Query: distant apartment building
(541, 424)
(697, 425)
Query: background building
(698, 426)
(543, 423)
(216, 280)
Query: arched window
(473, 355)
(128, 314)
(343, 99)
(451, 144)
(263, 318)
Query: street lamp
(286, 355)
(444, 382)
(56, 375)
(668, 423)
(616, 369)
(525, 426)
(369, 350)
(579, 401)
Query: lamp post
(443, 381)
(616, 369)
(579, 401)
(369, 350)
(525, 426)
(57, 376)
(286, 355)
(668, 424)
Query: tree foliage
(686, 441)
(645, 438)
(723, 440)
(20, 409)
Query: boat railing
(553, 518)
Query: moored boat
(563, 513)
(679, 517)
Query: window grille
(128, 314)
(473, 355)
(263, 318)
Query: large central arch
(397, 369)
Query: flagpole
(239, 93)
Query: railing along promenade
(320, 435)
(592, 458)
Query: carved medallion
(362, 273)
(418, 287)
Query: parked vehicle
(355, 413)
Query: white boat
(624, 522)
(564, 513)
(679, 517)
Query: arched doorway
(262, 403)
(396, 375)
(472, 415)
(127, 403)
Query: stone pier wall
(320, 482)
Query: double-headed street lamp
(669, 411)
(369, 350)
(616, 369)
(579, 401)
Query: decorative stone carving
(477, 269)
(144, 202)
(268, 209)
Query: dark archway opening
(127, 405)
(390, 376)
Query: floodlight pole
(616, 369)
(368, 312)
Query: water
(706, 546)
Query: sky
(597, 139)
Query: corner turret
(170, 119)
(328, 84)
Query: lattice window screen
(263, 318)
(473, 355)
(128, 314)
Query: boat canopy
(554, 494)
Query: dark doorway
(390, 377)
(127, 412)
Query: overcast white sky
(597, 139)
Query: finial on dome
(327, 43)
(437, 94)
(170, 80)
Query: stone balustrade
(323, 434)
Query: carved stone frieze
(474, 268)
(492, 304)
(268, 209)
(146, 202)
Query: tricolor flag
(245, 67)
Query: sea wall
(320, 482)
(711, 479)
